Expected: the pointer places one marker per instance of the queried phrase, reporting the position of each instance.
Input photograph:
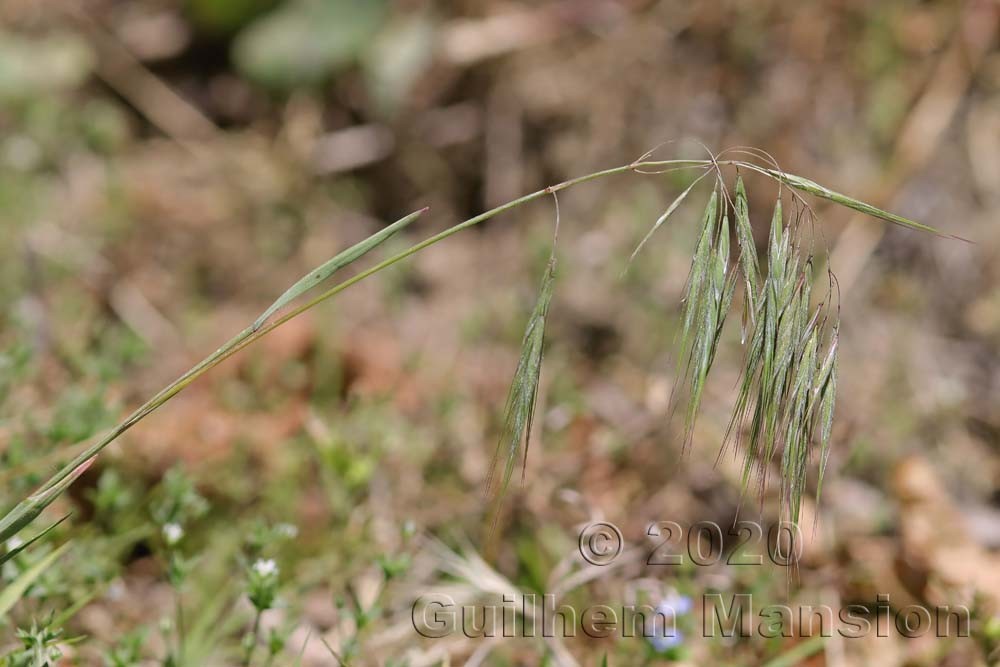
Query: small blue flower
(675, 605)
(665, 633)
(670, 638)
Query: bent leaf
(331, 266)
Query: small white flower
(172, 533)
(265, 567)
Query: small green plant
(789, 381)
(261, 582)
(262, 590)
(40, 645)
(176, 504)
(128, 652)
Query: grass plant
(788, 385)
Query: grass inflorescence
(787, 385)
(787, 390)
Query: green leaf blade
(814, 188)
(331, 266)
(10, 595)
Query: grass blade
(13, 553)
(814, 188)
(331, 266)
(28, 509)
(10, 595)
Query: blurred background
(168, 167)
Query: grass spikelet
(776, 392)
(776, 256)
(701, 362)
(694, 304)
(723, 286)
(522, 396)
(748, 256)
(776, 350)
(711, 286)
(744, 402)
(825, 393)
(797, 431)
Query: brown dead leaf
(935, 543)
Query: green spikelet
(523, 393)
(796, 454)
(699, 276)
(748, 257)
(824, 392)
(716, 288)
